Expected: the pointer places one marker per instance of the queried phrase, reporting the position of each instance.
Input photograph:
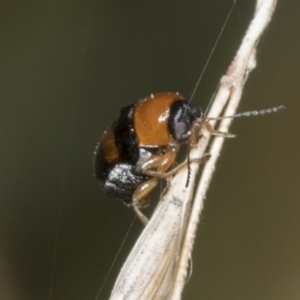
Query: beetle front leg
(158, 165)
(216, 132)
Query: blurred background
(66, 68)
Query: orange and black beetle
(141, 145)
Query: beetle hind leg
(139, 200)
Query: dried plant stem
(231, 88)
(157, 265)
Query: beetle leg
(138, 199)
(201, 160)
(161, 172)
(157, 165)
(216, 132)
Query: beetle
(141, 145)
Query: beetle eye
(183, 115)
(180, 130)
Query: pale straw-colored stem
(157, 266)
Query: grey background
(66, 67)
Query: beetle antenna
(252, 113)
(189, 169)
(212, 51)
